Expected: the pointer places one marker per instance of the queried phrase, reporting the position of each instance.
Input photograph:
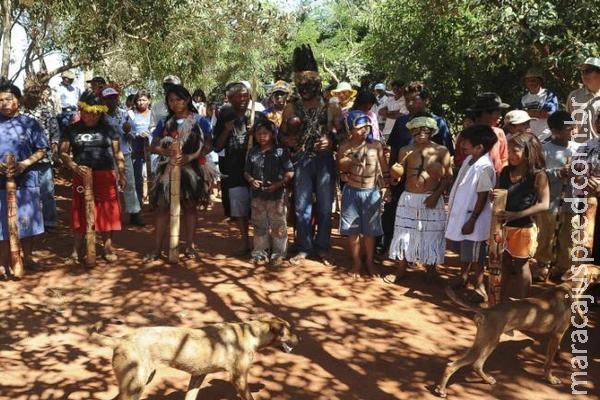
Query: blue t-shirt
(22, 136)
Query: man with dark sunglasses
(579, 100)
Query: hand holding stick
(16, 253)
(90, 216)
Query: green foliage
(462, 47)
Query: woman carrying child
(191, 134)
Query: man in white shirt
(382, 97)
(68, 96)
(393, 109)
(539, 103)
(579, 101)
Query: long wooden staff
(90, 219)
(175, 205)
(148, 162)
(16, 256)
(496, 246)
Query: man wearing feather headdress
(309, 128)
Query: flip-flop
(297, 260)
(190, 253)
(151, 257)
(110, 257)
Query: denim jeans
(132, 204)
(314, 175)
(64, 120)
(138, 174)
(46, 182)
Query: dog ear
(277, 327)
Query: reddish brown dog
(549, 313)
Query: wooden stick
(90, 219)
(16, 252)
(175, 206)
(495, 248)
(148, 162)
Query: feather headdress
(305, 65)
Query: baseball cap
(591, 61)
(109, 92)
(97, 79)
(280, 86)
(380, 86)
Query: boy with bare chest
(362, 161)
(420, 217)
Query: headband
(96, 109)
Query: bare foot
(355, 272)
(372, 270)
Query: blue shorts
(30, 220)
(469, 251)
(361, 212)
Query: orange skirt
(106, 201)
(520, 242)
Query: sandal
(325, 260)
(190, 252)
(276, 261)
(110, 257)
(71, 260)
(259, 260)
(298, 259)
(152, 256)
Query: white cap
(109, 92)
(516, 117)
(380, 86)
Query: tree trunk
(6, 36)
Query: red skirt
(106, 201)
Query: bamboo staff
(495, 248)
(16, 253)
(175, 205)
(90, 219)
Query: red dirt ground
(360, 339)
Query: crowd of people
(409, 188)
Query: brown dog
(548, 313)
(220, 347)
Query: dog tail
(457, 300)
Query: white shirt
(471, 179)
(393, 104)
(68, 96)
(539, 126)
